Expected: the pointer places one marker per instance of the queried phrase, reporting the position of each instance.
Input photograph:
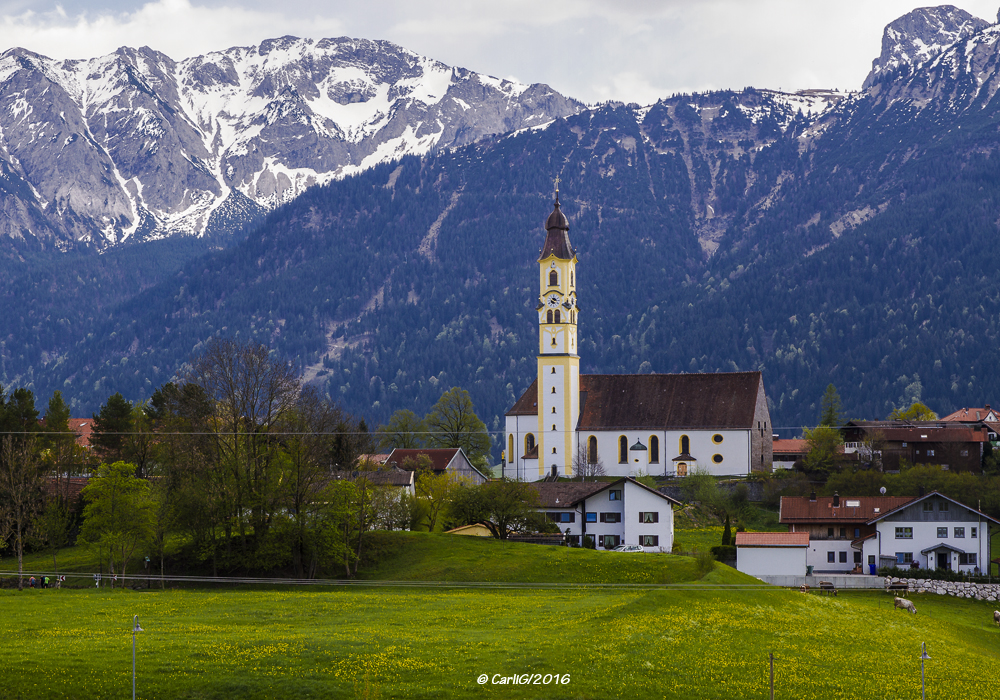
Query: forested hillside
(818, 238)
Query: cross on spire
(556, 181)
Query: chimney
(836, 500)
(921, 491)
(812, 497)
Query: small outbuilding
(772, 553)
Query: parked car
(628, 548)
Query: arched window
(571, 278)
(548, 316)
(622, 450)
(553, 409)
(553, 279)
(510, 448)
(529, 443)
(553, 370)
(557, 316)
(654, 449)
(592, 450)
(572, 317)
(553, 390)
(685, 445)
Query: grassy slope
(421, 556)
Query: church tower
(558, 362)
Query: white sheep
(996, 617)
(904, 604)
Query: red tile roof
(790, 447)
(799, 509)
(772, 539)
(970, 414)
(440, 457)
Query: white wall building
(658, 424)
(935, 531)
(772, 553)
(613, 513)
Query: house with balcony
(836, 527)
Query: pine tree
(830, 416)
(727, 534)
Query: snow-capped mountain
(135, 144)
(919, 36)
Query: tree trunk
(20, 560)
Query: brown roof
(440, 457)
(57, 486)
(569, 493)
(790, 447)
(83, 427)
(716, 400)
(527, 405)
(772, 539)
(884, 513)
(799, 509)
(557, 239)
(564, 494)
(381, 477)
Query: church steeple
(557, 239)
(558, 364)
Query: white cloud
(175, 27)
(628, 50)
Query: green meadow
(690, 636)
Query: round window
(717, 458)
(717, 439)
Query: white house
(658, 424)
(935, 531)
(613, 513)
(836, 526)
(772, 553)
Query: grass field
(419, 643)
(694, 638)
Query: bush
(588, 542)
(724, 552)
(704, 562)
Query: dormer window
(553, 278)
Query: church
(624, 424)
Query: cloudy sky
(594, 50)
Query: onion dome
(557, 239)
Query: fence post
(771, 656)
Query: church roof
(527, 405)
(632, 401)
(557, 240)
(656, 401)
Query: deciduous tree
(118, 516)
(453, 422)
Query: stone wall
(959, 589)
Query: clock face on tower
(552, 300)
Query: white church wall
(733, 450)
